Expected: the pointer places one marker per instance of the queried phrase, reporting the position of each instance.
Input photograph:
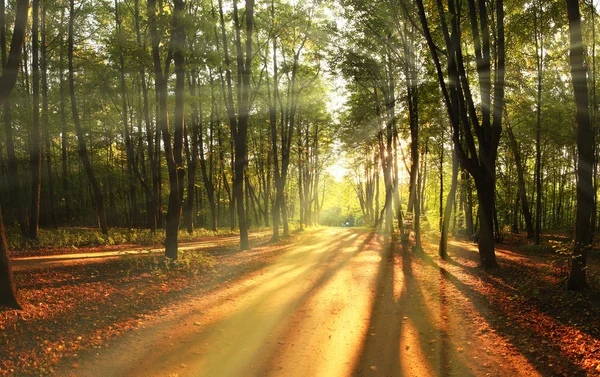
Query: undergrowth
(190, 263)
(64, 238)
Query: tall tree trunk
(479, 159)
(441, 209)
(192, 153)
(130, 152)
(82, 148)
(66, 197)
(410, 71)
(577, 279)
(443, 248)
(468, 204)
(45, 122)
(485, 195)
(207, 175)
(521, 182)
(539, 53)
(173, 153)
(272, 101)
(593, 120)
(241, 136)
(13, 167)
(8, 291)
(10, 64)
(152, 193)
(36, 134)
(239, 124)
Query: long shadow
(70, 319)
(244, 347)
(108, 270)
(405, 321)
(497, 320)
(544, 297)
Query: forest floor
(326, 302)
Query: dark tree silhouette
(8, 293)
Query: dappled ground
(330, 302)
(526, 302)
(339, 302)
(84, 305)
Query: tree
(82, 147)
(238, 121)
(173, 152)
(13, 167)
(585, 198)
(521, 180)
(479, 159)
(8, 293)
(36, 135)
(442, 250)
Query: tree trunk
(130, 152)
(441, 209)
(13, 167)
(239, 124)
(36, 135)
(207, 177)
(82, 149)
(593, 120)
(479, 159)
(45, 123)
(66, 197)
(192, 154)
(443, 248)
(485, 194)
(539, 51)
(468, 204)
(173, 153)
(8, 291)
(521, 182)
(152, 193)
(8, 294)
(577, 279)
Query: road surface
(339, 302)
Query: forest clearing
(299, 188)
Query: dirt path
(339, 303)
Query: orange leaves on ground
(82, 307)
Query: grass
(189, 263)
(75, 237)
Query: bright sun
(338, 170)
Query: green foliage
(74, 238)
(561, 259)
(190, 263)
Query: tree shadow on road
(231, 341)
(405, 338)
(517, 318)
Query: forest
(201, 133)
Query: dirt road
(339, 302)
